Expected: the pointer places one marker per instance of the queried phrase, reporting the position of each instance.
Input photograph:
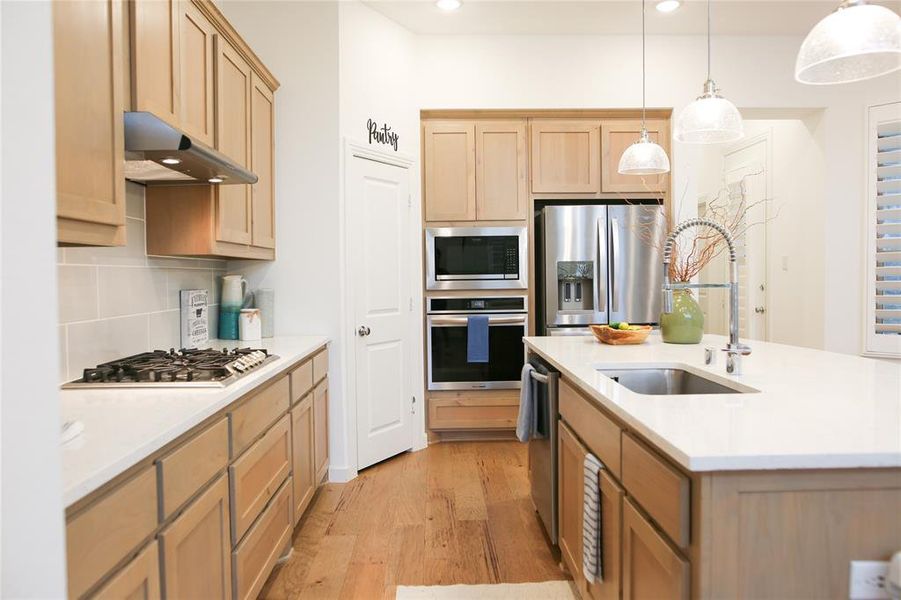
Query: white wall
(32, 548)
(604, 71)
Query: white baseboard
(423, 443)
(341, 474)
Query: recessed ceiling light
(667, 6)
(448, 4)
(216, 179)
(170, 161)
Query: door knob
(363, 331)
(759, 310)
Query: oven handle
(454, 321)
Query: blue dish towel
(477, 339)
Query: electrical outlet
(867, 580)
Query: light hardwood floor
(453, 513)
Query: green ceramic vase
(685, 325)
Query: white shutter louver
(883, 313)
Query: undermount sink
(666, 382)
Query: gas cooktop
(175, 368)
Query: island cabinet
(208, 515)
(90, 80)
(475, 170)
(672, 533)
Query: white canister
(264, 299)
(250, 324)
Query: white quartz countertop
(123, 426)
(813, 410)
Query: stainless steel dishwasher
(543, 445)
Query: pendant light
(644, 157)
(858, 41)
(710, 119)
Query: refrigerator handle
(601, 292)
(614, 252)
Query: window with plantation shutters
(883, 226)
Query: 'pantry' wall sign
(381, 135)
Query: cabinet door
(320, 430)
(651, 568)
(233, 84)
(89, 130)
(570, 460)
(616, 136)
(611, 545)
(501, 171)
(262, 138)
(302, 455)
(195, 71)
(450, 172)
(138, 580)
(155, 40)
(196, 548)
(566, 156)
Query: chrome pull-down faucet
(734, 350)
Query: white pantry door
(378, 210)
(745, 164)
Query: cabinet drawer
(651, 569)
(600, 433)
(473, 412)
(253, 559)
(320, 366)
(659, 488)
(252, 417)
(108, 530)
(185, 470)
(255, 477)
(301, 381)
(138, 580)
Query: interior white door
(745, 165)
(378, 209)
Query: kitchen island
(765, 493)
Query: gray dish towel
(592, 532)
(525, 424)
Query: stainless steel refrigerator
(596, 266)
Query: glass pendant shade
(711, 119)
(858, 41)
(644, 157)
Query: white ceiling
(733, 17)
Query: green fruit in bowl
(623, 326)
(614, 325)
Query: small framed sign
(381, 135)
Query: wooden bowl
(607, 335)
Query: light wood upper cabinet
(233, 76)
(320, 430)
(651, 569)
(566, 156)
(89, 100)
(302, 455)
(571, 456)
(196, 73)
(449, 158)
(154, 47)
(616, 136)
(196, 548)
(501, 171)
(262, 162)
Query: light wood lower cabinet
(320, 430)
(303, 469)
(651, 568)
(195, 548)
(493, 409)
(252, 417)
(255, 556)
(189, 467)
(612, 526)
(138, 580)
(89, 82)
(570, 490)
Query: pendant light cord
(708, 40)
(643, 76)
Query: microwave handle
(451, 321)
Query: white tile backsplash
(114, 302)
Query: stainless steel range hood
(158, 154)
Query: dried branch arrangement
(696, 248)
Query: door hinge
(413, 406)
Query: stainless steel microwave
(476, 258)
